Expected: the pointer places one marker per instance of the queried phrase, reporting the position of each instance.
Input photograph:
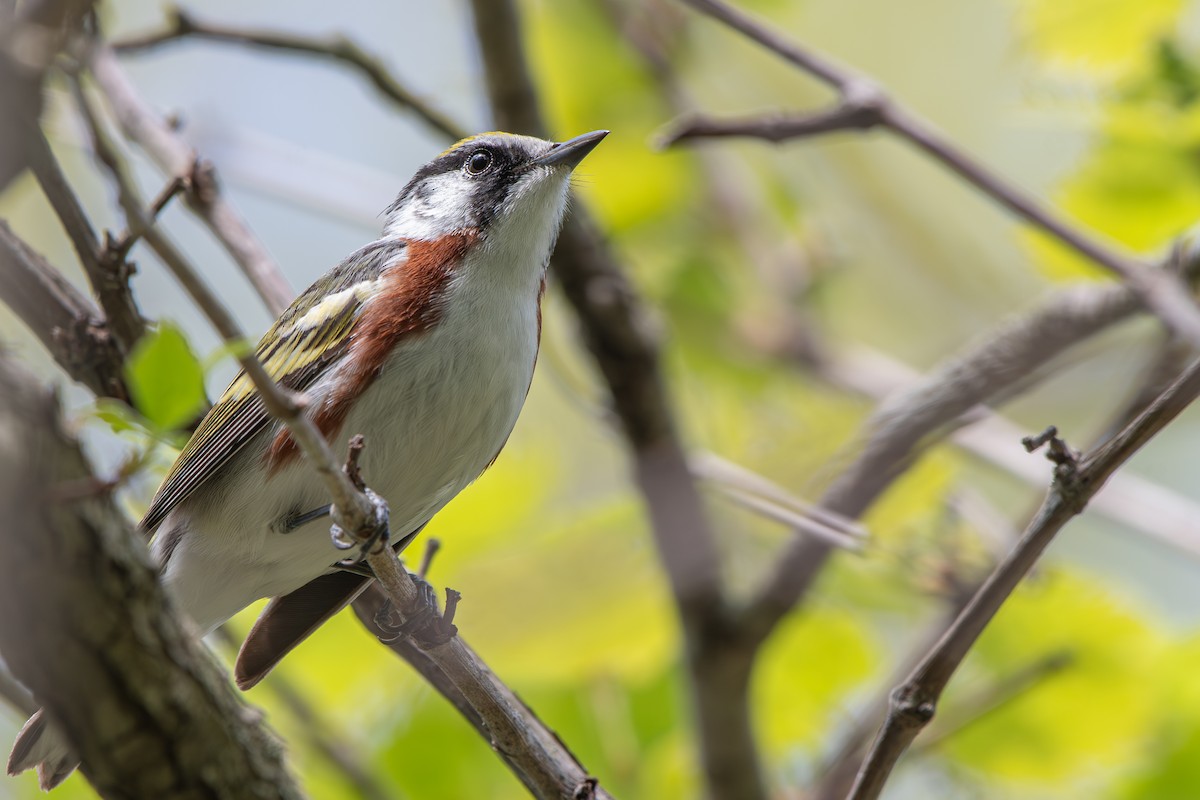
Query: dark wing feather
(307, 339)
(288, 620)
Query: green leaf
(165, 378)
(1097, 36)
(806, 676)
(1175, 772)
(117, 416)
(1140, 183)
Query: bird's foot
(378, 537)
(425, 625)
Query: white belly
(434, 419)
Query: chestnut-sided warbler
(424, 341)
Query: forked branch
(182, 24)
(914, 702)
(864, 104)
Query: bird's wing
(310, 336)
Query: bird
(424, 341)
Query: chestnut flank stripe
(406, 305)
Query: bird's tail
(40, 745)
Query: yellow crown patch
(470, 139)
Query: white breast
(447, 402)
(433, 420)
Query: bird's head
(499, 186)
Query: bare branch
(991, 438)
(913, 703)
(839, 775)
(106, 271)
(66, 322)
(368, 607)
(756, 493)
(177, 158)
(85, 625)
(778, 127)
(989, 699)
(1161, 291)
(525, 743)
(182, 24)
(912, 418)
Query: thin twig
(836, 774)
(432, 546)
(839, 771)
(990, 699)
(867, 104)
(177, 158)
(778, 127)
(769, 500)
(913, 703)
(182, 24)
(121, 245)
(737, 478)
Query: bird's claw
(426, 625)
(373, 543)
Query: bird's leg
(426, 626)
(295, 521)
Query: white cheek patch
(441, 207)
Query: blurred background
(873, 256)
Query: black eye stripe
(510, 160)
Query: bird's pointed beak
(572, 151)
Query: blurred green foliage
(563, 594)
(165, 378)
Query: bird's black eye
(479, 161)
